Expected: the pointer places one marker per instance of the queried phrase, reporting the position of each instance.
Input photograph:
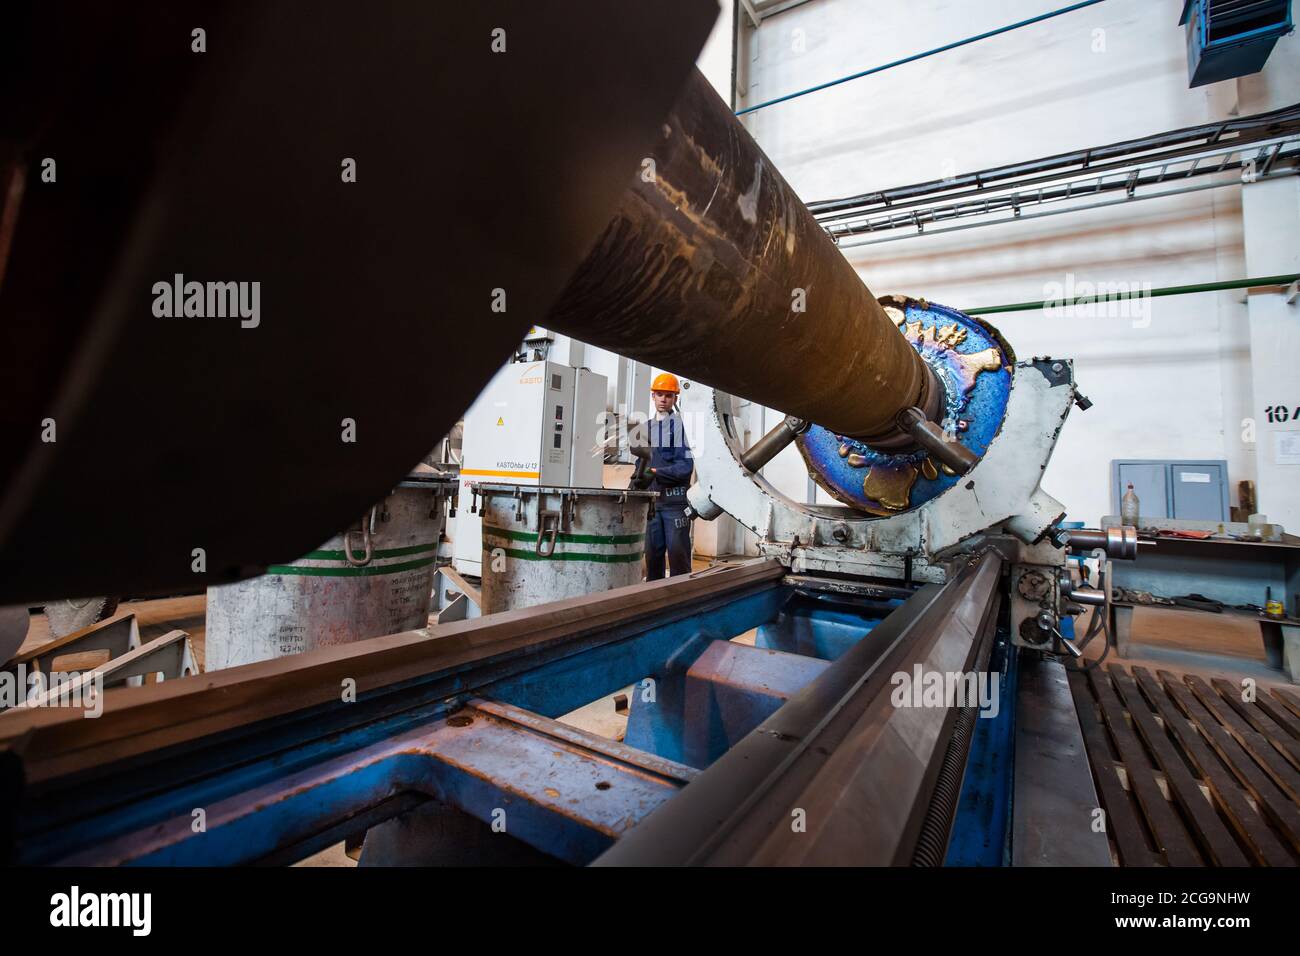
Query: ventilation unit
(1231, 38)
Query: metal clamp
(545, 533)
(366, 541)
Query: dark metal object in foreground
(713, 267)
(227, 167)
(1180, 740)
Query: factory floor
(1194, 642)
(1194, 764)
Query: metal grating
(1189, 773)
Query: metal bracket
(367, 526)
(548, 529)
(1056, 372)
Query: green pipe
(1151, 293)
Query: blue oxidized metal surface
(974, 365)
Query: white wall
(714, 60)
(1272, 210)
(1271, 215)
(1178, 388)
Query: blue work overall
(669, 531)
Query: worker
(670, 468)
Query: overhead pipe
(1258, 282)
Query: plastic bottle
(1128, 507)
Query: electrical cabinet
(1188, 490)
(536, 423)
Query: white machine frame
(1001, 493)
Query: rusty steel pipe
(712, 267)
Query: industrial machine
(536, 423)
(906, 643)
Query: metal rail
(1258, 282)
(236, 738)
(837, 751)
(1169, 145)
(1144, 180)
(463, 717)
(57, 743)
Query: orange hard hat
(665, 382)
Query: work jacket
(671, 459)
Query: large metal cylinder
(714, 268)
(373, 579)
(547, 544)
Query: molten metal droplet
(891, 485)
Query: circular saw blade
(72, 614)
